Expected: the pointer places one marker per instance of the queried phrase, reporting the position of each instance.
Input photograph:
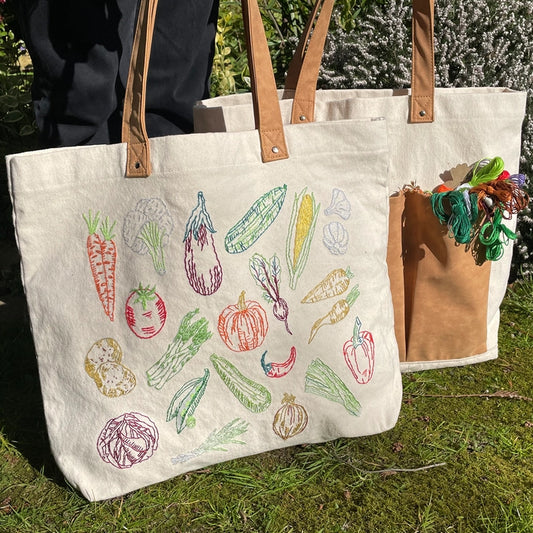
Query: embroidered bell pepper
(359, 354)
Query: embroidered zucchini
(256, 221)
(185, 402)
(301, 230)
(254, 396)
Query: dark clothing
(81, 49)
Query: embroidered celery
(321, 379)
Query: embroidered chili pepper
(278, 370)
(361, 363)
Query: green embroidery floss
(490, 236)
(488, 172)
(461, 214)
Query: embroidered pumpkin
(243, 326)
(290, 419)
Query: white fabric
(470, 124)
(51, 191)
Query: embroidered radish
(102, 254)
(359, 354)
(243, 326)
(145, 312)
(202, 265)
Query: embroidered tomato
(145, 312)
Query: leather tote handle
(302, 75)
(266, 104)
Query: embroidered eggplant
(252, 395)
(359, 354)
(185, 402)
(202, 264)
(290, 419)
(278, 370)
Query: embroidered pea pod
(278, 370)
(359, 354)
(186, 401)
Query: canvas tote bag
(446, 295)
(190, 300)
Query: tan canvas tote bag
(190, 300)
(446, 297)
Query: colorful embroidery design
(147, 229)
(202, 265)
(243, 326)
(334, 284)
(335, 238)
(102, 254)
(302, 224)
(256, 221)
(185, 345)
(127, 440)
(278, 370)
(320, 379)
(359, 354)
(186, 401)
(216, 440)
(290, 419)
(146, 313)
(252, 395)
(338, 312)
(267, 274)
(339, 205)
(103, 363)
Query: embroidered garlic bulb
(290, 419)
(339, 205)
(335, 238)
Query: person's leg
(80, 52)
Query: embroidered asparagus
(339, 311)
(301, 230)
(267, 275)
(186, 343)
(216, 440)
(320, 379)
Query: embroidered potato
(103, 351)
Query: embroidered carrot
(278, 370)
(102, 254)
(339, 311)
(301, 230)
(334, 284)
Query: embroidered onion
(127, 440)
(290, 419)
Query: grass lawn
(459, 460)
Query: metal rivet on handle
(303, 118)
(137, 164)
(422, 113)
(275, 149)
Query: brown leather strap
(133, 118)
(266, 104)
(423, 70)
(302, 75)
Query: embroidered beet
(202, 264)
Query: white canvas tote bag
(191, 298)
(446, 299)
